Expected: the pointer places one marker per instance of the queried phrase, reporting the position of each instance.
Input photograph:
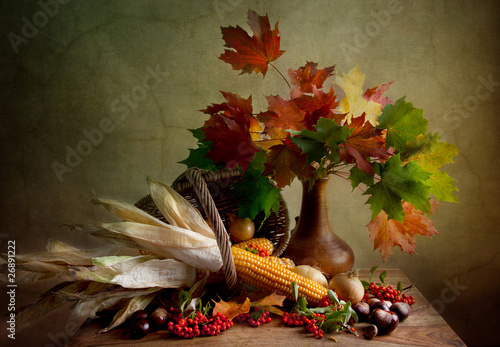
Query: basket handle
(200, 187)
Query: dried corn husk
(134, 304)
(171, 242)
(177, 210)
(139, 272)
(128, 213)
(107, 268)
(162, 273)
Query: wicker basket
(209, 192)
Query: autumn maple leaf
(231, 309)
(239, 109)
(376, 94)
(386, 233)
(305, 78)
(252, 53)
(287, 115)
(285, 161)
(318, 105)
(363, 143)
(231, 142)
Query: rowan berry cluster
(256, 249)
(387, 293)
(311, 325)
(197, 324)
(326, 301)
(256, 318)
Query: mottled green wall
(139, 71)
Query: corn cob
(262, 273)
(285, 262)
(261, 242)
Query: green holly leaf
(428, 152)
(403, 123)
(398, 183)
(357, 176)
(322, 143)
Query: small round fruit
(140, 328)
(402, 309)
(362, 309)
(241, 229)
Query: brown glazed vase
(313, 241)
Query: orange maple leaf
(386, 234)
(231, 309)
(308, 76)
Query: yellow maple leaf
(353, 104)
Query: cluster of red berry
(254, 319)
(256, 249)
(326, 301)
(312, 325)
(387, 293)
(197, 324)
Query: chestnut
(158, 318)
(373, 301)
(139, 314)
(139, 328)
(371, 331)
(380, 304)
(362, 309)
(402, 309)
(385, 321)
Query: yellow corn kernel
(285, 262)
(261, 242)
(266, 275)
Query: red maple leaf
(231, 142)
(363, 143)
(287, 115)
(306, 77)
(318, 105)
(252, 53)
(285, 161)
(386, 234)
(376, 94)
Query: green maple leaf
(322, 143)
(403, 123)
(428, 152)
(197, 156)
(357, 176)
(398, 183)
(256, 191)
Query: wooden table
(424, 327)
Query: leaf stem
(282, 76)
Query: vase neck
(314, 209)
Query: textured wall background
(139, 71)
